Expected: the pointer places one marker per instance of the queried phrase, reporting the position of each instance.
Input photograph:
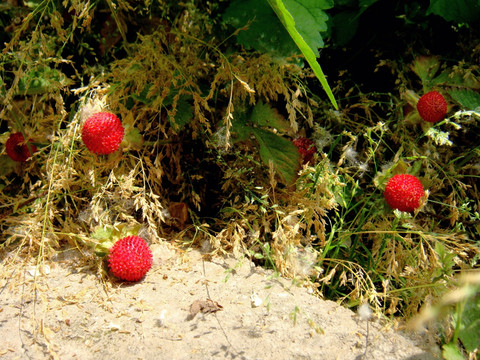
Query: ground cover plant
(201, 125)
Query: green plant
(304, 21)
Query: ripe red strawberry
(102, 133)
(17, 148)
(305, 148)
(432, 107)
(403, 192)
(130, 258)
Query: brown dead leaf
(204, 306)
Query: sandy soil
(185, 308)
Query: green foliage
(304, 20)
(469, 323)
(41, 80)
(259, 28)
(310, 20)
(459, 11)
(281, 152)
(467, 98)
(203, 119)
(305, 38)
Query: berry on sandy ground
(403, 192)
(102, 133)
(130, 258)
(17, 148)
(432, 107)
(305, 148)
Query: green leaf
(184, 113)
(468, 99)
(142, 96)
(264, 115)
(41, 80)
(426, 68)
(310, 20)
(310, 54)
(451, 352)
(459, 11)
(240, 130)
(469, 333)
(102, 233)
(283, 154)
(451, 78)
(261, 30)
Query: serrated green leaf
(290, 24)
(459, 11)
(283, 154)
(264, 115)
(468, 99)
(261, 30)
(310, 20)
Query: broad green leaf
(468, 99)
(469, 332)
(283, 154)
(260, 29)
(264, 115)
(290, 24)
(459, 11)
(310, 20)
(451, 352)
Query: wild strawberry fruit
(403, 192)
(305, 148)
(432, 107)
(17, 148)
(130, 258)
(102, 133)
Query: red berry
(403, 192)
(130, 258)
(432, 107)
(102, 133)
(17, 148)
(305, 148)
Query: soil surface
(185, 308)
